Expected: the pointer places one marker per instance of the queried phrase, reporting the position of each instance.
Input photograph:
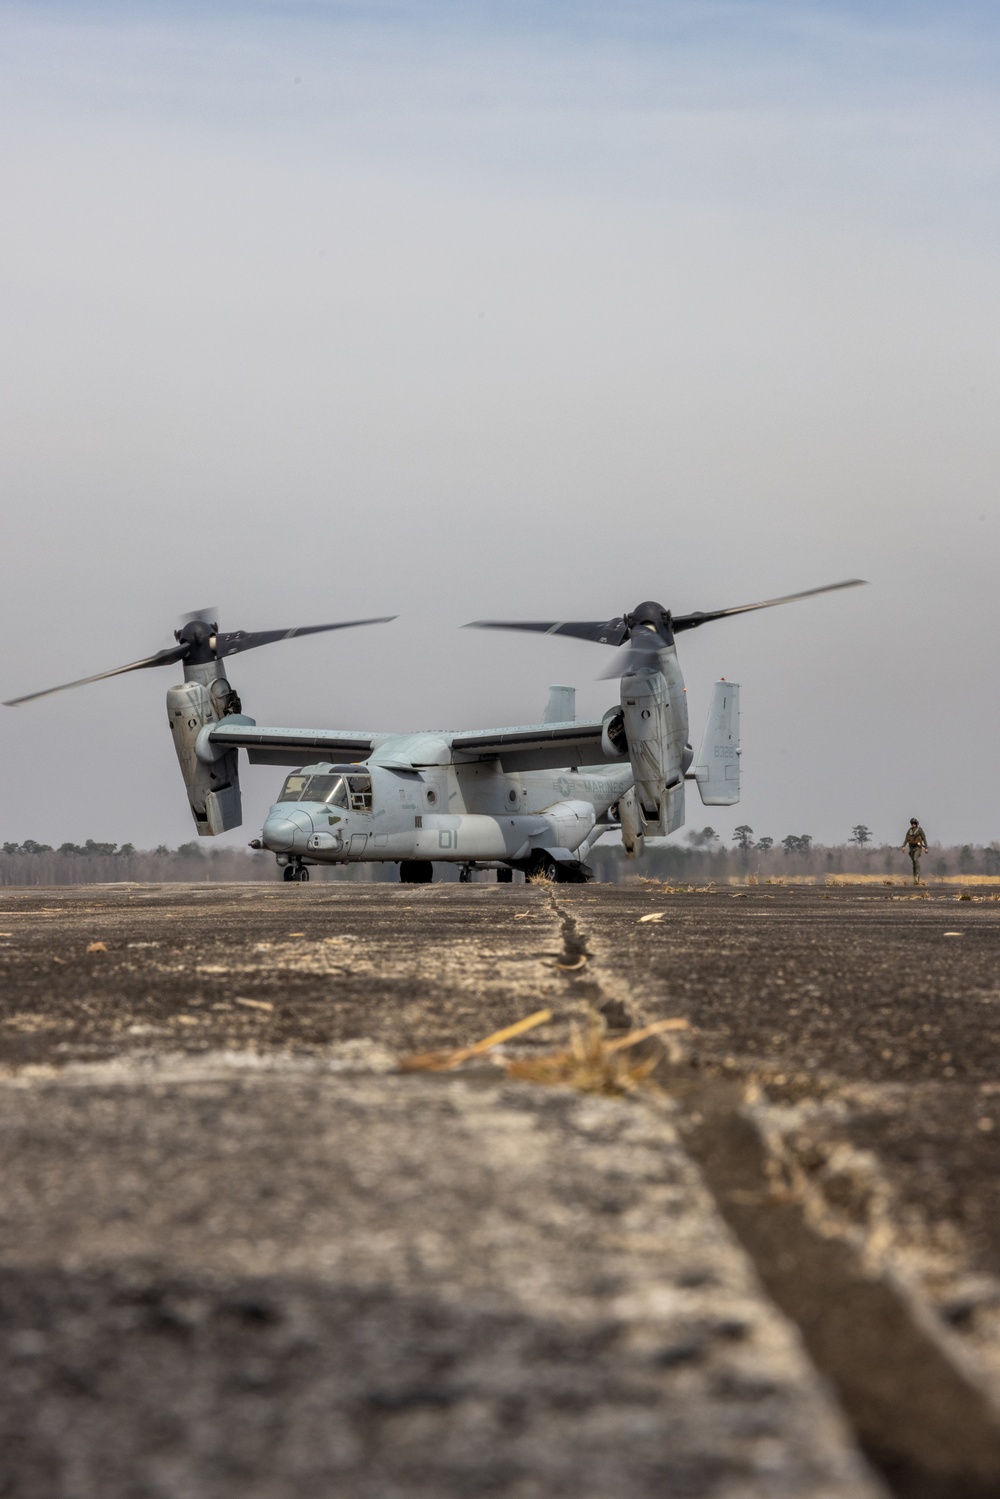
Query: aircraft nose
(286, 830)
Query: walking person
(915, 843)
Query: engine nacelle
(614, 744)
(651, 731)
(211, 778)
(671, 812)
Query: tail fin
(717, 768)
(561, 706)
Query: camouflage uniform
(915, 843)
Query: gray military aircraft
(534, 798)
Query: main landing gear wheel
(416, 872)
(465, 874)
(505, 876)
(544, 870)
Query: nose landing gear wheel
(295, 872)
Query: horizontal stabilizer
(717, 768)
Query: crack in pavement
(588, 983)
(918, 1411)
(358, 980)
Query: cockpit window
(361, 793)
(318, 788)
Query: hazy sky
(455, 310)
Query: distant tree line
(966, 858)
(105, 850)
(703, 856)
(700, 858)
(94, 862)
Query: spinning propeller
(647, 629)
(199, 642)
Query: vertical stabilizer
(717, 768)
(562, 705)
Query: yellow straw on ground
(675, 1024)
(440, 1061)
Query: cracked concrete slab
(837, 1085)
(280, 1283)
(239, 1255)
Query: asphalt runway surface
(241, 1252)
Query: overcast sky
(454, 310)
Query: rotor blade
(162, 658)
(243, 640)
(634, 655)
(603, 632)
(209, 616)
(689, 621)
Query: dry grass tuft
(589, 1063)
(442, 1061)
(905, 879)
(592, 1064)
(682, 887)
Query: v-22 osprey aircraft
(535, 797)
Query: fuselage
(460, 813)
(413, 799)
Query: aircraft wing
(544, 746)
(293, 746)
